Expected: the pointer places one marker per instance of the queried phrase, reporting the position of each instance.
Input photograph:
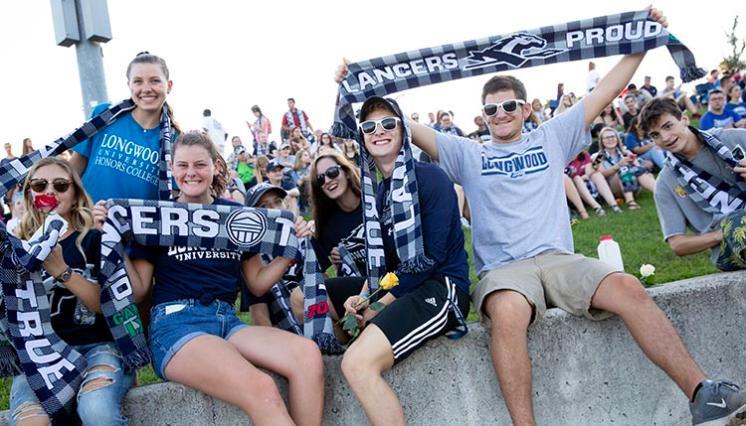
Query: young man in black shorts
(425, 304)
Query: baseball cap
(240, 149)
(273, 164)
(256, 193)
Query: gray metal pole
(90, 68)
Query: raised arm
(615, 80)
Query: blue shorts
(173, 324)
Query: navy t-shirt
(344, 228)
(193, 272)
(71, 320)
(442, 235)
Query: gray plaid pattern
(280, 306)
(317, 324)
(375, 256)
(349, 267)
(27, 302)
(705, 189)
(270, 232)
(523, 49)
(164, 172)
(405, 211)
(12, 171)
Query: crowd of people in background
(302, 168)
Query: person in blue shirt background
(719, 116)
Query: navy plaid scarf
(405, 211)
(624, 33)
(56, 396)
(348, 267)
(709, 192)
(317, 324)
(52, 368)
(12, 171)
(222, 227)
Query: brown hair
(654, 109)
(321, 205)
(298, 160)
(148, 58)
(501, 83)
(27, 146)
(81, 215)
(200, 138)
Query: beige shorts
(562, 280)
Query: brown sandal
(632, 205)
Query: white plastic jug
(609, 253)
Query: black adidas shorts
(412, 319)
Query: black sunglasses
(388, 123)
(509, 106)
(331, 173)
(60, 185)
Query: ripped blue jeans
(99, 401)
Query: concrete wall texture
(585, 373)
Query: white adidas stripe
(427, 329)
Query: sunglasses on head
(388, 123)
(331, 173)
(39, 185)
(509, 106)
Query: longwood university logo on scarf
(623, 33)
(225, 227)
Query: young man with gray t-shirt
(701, 186)
(523, 245)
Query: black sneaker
(719, 403)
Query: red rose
(46, 203)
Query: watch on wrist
(64, 276)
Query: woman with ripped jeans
(75, 301)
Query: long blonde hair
(81, 215)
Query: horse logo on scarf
(513, 51)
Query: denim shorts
(173, 324)
(98, 406)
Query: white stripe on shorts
(430, 328)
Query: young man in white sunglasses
(523, 245)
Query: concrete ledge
(584, 372)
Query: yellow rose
(389, 281)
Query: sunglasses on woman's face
(40, 185)
(388, 123)
(509, 106)
(331, 173)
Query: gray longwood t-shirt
(676, 211)
(515, 190)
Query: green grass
(637, 232)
